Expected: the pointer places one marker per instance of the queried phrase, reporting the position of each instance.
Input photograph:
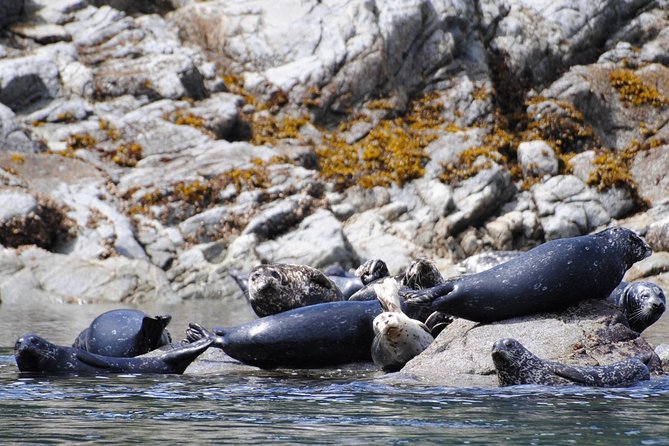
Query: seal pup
(549, 277)
(398, 338)
(124, 333)
(642, 303)
(516, 365)
(37, 355)
(279, 287)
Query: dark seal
(281, 287)
(642, 303)
(34, 354)
(124, 333)
(321, 335)
(550, 277)
(516, 365)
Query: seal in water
(517, 365)
(281, 287)
(36, 354)
(398, 337)
(124, 333)
(642, 303)
(550, 277)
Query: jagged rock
(318, 241)
(590, 333)
(537, 159)
(649, 173)
(37, 274)
(567, 207)
(13, 137)
(479, 197)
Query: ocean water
(348, 405)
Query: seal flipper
(426, 296)
(92, 359)
(196, 332)
(153, 330)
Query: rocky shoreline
(148, 148)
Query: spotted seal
(370, 272)
(517, 365)
(279, 287)
(124, 333)
(398, 338)
(642, 303)
(35, 354)
(549, 277)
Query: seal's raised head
(643, 303)
(633, 247)
(34, 353)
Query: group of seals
(37, 355)
(549, 277)
(516, 365)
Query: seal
(281, 287)
(517, 365)
(320, 335)
(347, 283)
(124, 333)
(369, 273)
(549, 277)
(642, 303)
(35, 354)
(398, 338)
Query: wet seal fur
(516, 365)
(281, 287)
(35, 354)
(550, 277)
(398, 338)
(124, 333)
(642, 303)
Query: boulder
(590, 333)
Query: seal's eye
(507, 343)
(276, 275)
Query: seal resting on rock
(516, 365)
(35, 354)
(642, 303)
(369, 273)
(281, 287)
(550, 277)
(124, 333)
(398, 338)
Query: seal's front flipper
(427, 296)
(92, 360)
(195, 332)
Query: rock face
(592, 333)
(193, 138)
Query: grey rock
(27, 80)
(44, 33)
(10, 11)
(649, 172)
(657, 235)
(591, 333)
(567, 207)
(318, 241)
(537, 158)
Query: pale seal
(35, 354)
(516, 365)
(398, 338)
(124, 333)
(278, 287)
(550, 277)
(642, 303)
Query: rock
(657, 235)
(44, 33)
(27, 80)
(649, 173)
(318, 241)
(537, 159)
(37, 274)
(567, 207)
(10, 11)
(656, 264)
(479, 197)
(591, 333)
(662, 351)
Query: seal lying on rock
(517, 365)
(36, 354)
(281, 287)
(550, 277)
(124, 333)
(370, 272)
(642, 303)
(398, 338)
(348, 283)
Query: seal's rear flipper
(241, 279)
(92, 360)
(154, 331)
(426, 296)
(195, 332)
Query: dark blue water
(340, 406)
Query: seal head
(642, 303)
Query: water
(335, 406)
